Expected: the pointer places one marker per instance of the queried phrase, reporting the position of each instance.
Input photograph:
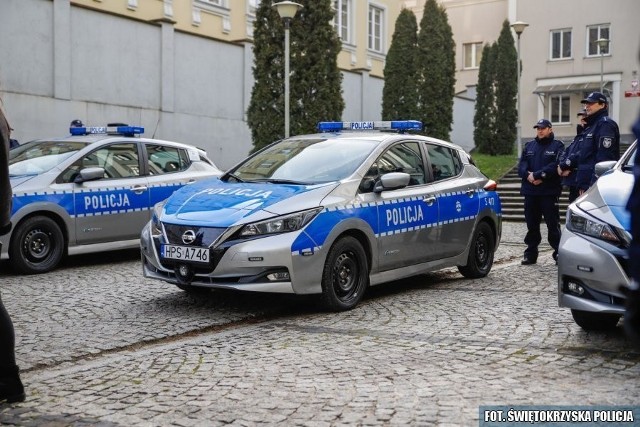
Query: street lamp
(602, 45)
(519, 27)
(287, 10)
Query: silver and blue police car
(329, 214)
(91, 191)
(593, 253)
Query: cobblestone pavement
(100, 345)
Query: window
(444, 164)
(342, 20)
(376, 28)
(253, 7)
(117, 160)
(595, 33)
(472, 55)
(560, 44)
(163, 159)
(559, 109)
(404, 157)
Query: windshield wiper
(280, 181)
(236, 177)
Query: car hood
(16, 181)
(215, 203)
(607, 199)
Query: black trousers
(535, 208)
(573, 193)
(7, 340)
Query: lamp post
(519, 27)
(602, 44)
(287, 10)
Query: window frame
(344, 12)
(562, 32)
(376, 42)
(563, 102)
(592, 43)
(476, 55)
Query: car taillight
(491, 185)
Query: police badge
(606, 142)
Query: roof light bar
(399, 125)
(106, 130)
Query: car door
(115, 207)
(458, 199)
(406, 217)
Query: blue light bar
(107, 130)
(399, 125)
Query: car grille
(205, 236)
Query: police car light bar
(107, 130)
(399, 125)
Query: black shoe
(528, 261)
(631, 322)
(11, 388)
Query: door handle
(429, 200)
(139, 189)
(470, 192)
(191, 181)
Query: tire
(481, 253)
(37, 245)
(345, 276)
(590, 321)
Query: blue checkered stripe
(98, 201)
(402, 216)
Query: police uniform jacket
(541, 157)
(600, 142)
(5, 185)
(569, 159)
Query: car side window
(444, 163)
(164, 159)
(117, 160)
(403, 157)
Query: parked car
(91, 191)
(593, 257)
(329, 214)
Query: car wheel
(590, 321)
(480, 258)
(37, 245)
(345, 276)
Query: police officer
(541, 188)
(600, 142)
(11, 389)
(632, 313)
(568, 164)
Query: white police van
(91, 191)
(330, 214)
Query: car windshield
(306, 161)
(36, 157)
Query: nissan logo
(188, 237)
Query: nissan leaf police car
(91, 191)
(329, 214)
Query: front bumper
(595, 270)
(244, 265)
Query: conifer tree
(436, 63)
(315, 80)
(485, 110)
(400, 92)
(506, 91)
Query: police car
(593, 257)
(91, 191)
(329, 214)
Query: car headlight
(590, 226)
(156, 226)
(282, 224)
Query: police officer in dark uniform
(600, 140)
(541, 188)
(11, 389)
(568, 164)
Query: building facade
(182, 69)
(561, 60)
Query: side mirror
(603, 167)
(89, 174)
(392, 181)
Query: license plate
(185, 253)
